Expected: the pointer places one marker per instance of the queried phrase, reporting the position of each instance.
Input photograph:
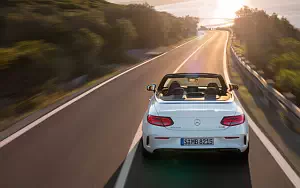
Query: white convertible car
(194, 111)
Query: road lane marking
(179, 67)
(284, 165)
(121, 180)
(129, 159)
(56, 110)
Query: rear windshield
(192, 89)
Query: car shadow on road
(183, 169)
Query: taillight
(233, 120)
(160, 121)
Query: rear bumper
(233, 150)
(151, 143)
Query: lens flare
(227, 8)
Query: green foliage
(159, 28)
(239, 48)
(125, 33)
(273, 44)
(33, 50)
(86, 40)
(7, 55)
(44, 10)
(68, 5)
(87, 45)
(25, 106)
(289, 60)
(290, 44)
(59, 40)
(289, 81)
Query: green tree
(87, 46)
(272, 43)
(124, 33)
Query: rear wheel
(145, 153)
(244, 155)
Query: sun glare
(227, 8)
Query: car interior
(211, 92)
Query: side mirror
(151, 87)
(233, 87)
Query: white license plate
(196, 141)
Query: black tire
(145, 153)
(244, 155)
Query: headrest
(178, 93)
(174, 85)
(210, 93)
(212, 84)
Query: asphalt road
(85, 144)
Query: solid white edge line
(51, 113)
(284, 165)
(121, 180)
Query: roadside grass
(239, 47)
(19, 111)
(182, 41)
(16, 112)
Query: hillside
(46, 43)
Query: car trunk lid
(196, 116)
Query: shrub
(47, 42)
(33, 50)
(65, 5)
(287, 80)
(124, 33)
(25, 106)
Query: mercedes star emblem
(197, 122)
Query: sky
(223, 8)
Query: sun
(227, 8)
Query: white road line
(284, 165)
(179, 67)
(48, 115)
(121, 181)
(129, 158)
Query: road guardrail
(269, 95)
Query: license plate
(196, 141)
